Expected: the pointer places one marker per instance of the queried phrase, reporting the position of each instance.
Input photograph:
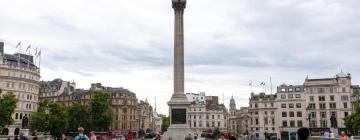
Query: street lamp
(47, 121)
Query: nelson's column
(178, 105)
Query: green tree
(165, 124)
(78, 117)
(56, 121)
(7, 107)
(352, 121)
(100, 111)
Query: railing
(31, 68)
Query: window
(284, 123)
(297, 89)
(331, 90)
(323, 114)
(345, 105)
(256, 113)
(283, 90)
(213, 124)
(322, 105)
(344, 98)
(299, 114)
(321, 90)
(256, 105)
(272, 104)
(312, 114)
(218, 124)
(343, 89)
(16, 116)
(332, 98)
(346, 114)
(273, 121)
(323, 123)
(299, 123)
(291, 105)
(272, 112)
(266, 120)
(265, 112)
(297, 95)
(194, 124)
(213, 117)
(207, 116)
(333, 113)
(194, 116)
(256, 121)
(283, 105)
(290, 89)
(312, 123)
(283, 96)
(290, 96)
(312, 106)
(292, 123)
(291, 114)
(283, 114)
(321, 98)
(311, 98)
(298, 105)
(332, 105)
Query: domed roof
(342, 74)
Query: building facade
(50, 90)
(205, 113)
(20, 75)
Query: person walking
(326, 135)
(92, 135)
(81, 135)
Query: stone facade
(310, 105)
(123, 102)
(144, 116)
(206, 115)
(50, 90)
(19, 74)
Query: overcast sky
(228, 43)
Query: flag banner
(18, 44)
(28, 48)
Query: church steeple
(232, 106)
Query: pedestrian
(326, 135)
(16, 138)
(81, 135)
(63, 136)
(343, 134)
(332, 135)
(222, 137)
(22, 137)
(303, 133)
(92, 135)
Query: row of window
(292, 123)
(194, 124)
(265, 112)
(266, 121)
(324, 90)
(291, 114)
(207, 116)
(19, 116)
(297, 89)
(21, 75)
(22, 86)
(323, 105)
(323, 114)
(265, 105)
(291, 96)
(291, 105)
(331, 98)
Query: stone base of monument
(179, 133)
(25, 132)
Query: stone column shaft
(179, 53)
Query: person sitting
(303, 133)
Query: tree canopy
(100, 111)
(7, 107)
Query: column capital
(179, 5)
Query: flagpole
(29, 56)
(271, 87)
(19, 45)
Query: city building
(206, 113)
(144, 116)
(263, 115)
(291, 110)
(311, 104)
(20, 75)
(123, 102)
(328, 97)
(50, 90)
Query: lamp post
(47, 121)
